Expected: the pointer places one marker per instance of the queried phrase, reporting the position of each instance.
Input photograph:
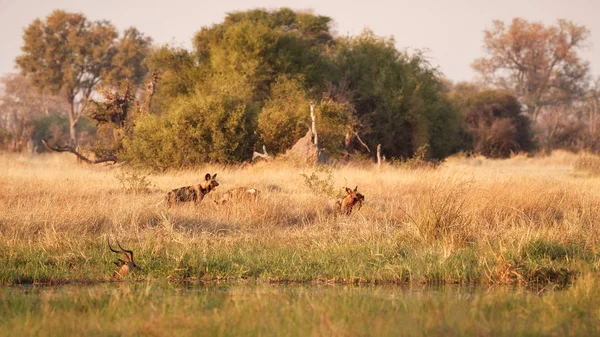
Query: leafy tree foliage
(493, 121)
(67, 53)
(206, 126)
(248, 64)
(284, 117)
(248, 81)
(540, 63)
(26, 114)
(178, 75)
(114, 120)
(398, 99)
(573, 128)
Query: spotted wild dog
(193, 193)
(352, 199)
(239, 194)
(127, 265)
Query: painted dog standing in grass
(239, 194)
(193, 193)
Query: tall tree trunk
(73, 122)
(314, 123)
(74, 134)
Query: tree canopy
(70, 55)
(248, 82)
(492, 121)
(27, 113)
(540, 63)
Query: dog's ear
(356, 188)
(349, 191)
(207, 176)
(214, 176)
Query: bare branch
(68, 148)
(263, 155)
(361, 142)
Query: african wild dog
(238, 194)
(353, 198)
(193, 193)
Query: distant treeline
(249, 81)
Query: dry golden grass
(496, 208)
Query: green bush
(284, 118)
(196, 129)
(249, 80)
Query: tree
(21, 107)
(217, 101)
(252, 76)
(211, 126)
(540, 63)
(400, 103)
(492, 121)
(575, 127)
(68, 54)
(284, 117)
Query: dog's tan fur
(353, 198)
(193, 193)
(239, 194)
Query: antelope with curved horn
(127, 265)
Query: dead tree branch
(361, 142)
(68, 148)
(263, 155)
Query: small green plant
(133, 181)
(320, 182)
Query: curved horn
(111, 248)
(118, 251)
(127, 251)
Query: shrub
(132, 181)
(197, 129)
(284, 118)
(320, 182)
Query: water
(256, 309)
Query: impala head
(127, 264)
(210, 182)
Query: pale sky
(451, 30)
